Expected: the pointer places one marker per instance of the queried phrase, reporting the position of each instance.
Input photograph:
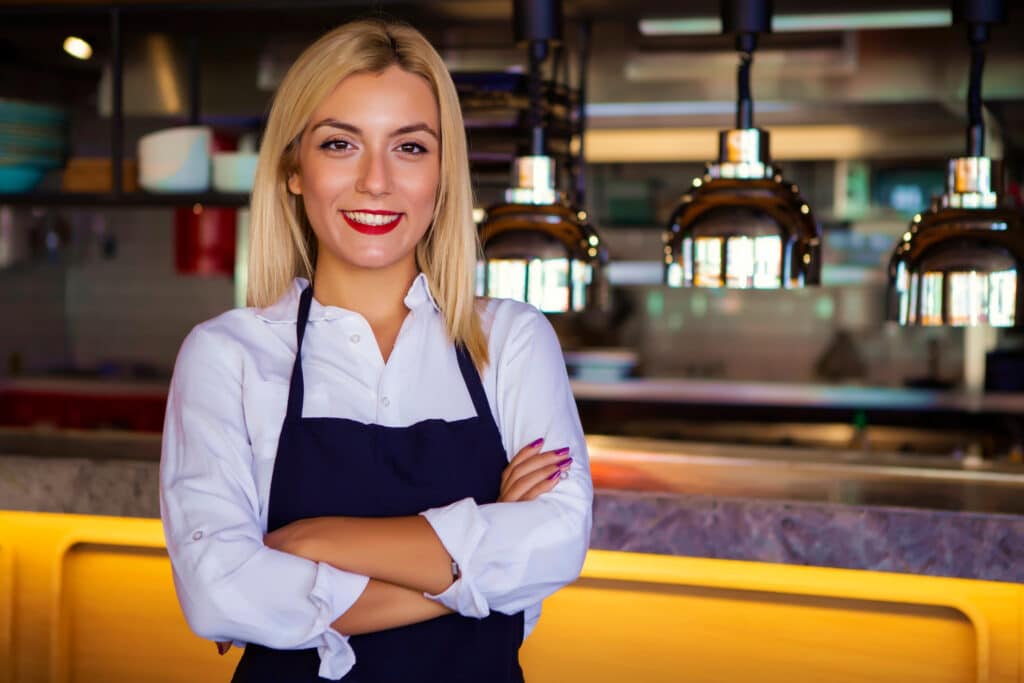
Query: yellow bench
(89, 599)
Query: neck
(378, 294)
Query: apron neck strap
(295, 393)
(473, 383)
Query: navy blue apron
(341, 467)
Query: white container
(600, 365)
(234, 171)
(175, 160)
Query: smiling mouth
(372, 222)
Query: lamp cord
(975, 120)
(745, 103)
(538, 53)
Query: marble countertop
(654, 497)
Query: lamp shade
(960, 262)
(537, 248)
(742, 226)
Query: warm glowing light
(77, 48)
(812, 21)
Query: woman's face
(369, 164)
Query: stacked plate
(33, 140)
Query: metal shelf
(131, 199)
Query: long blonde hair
(282, 243)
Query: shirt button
(197, 535)
(385, 401)
(354, 339)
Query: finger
(526, 451)
(535, 463)
(523, 484)
(543, 487)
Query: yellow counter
(90, 600)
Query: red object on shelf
(24, 407)
(204, 240)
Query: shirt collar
(286, 309)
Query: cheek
(322, 181)
(423, 188)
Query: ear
(295, 183)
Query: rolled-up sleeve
(513, 555)
(230, 585)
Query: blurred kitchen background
(782, 470)
(864, 110)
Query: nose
(374, 174)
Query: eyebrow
(404, 130)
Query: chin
(372, 259)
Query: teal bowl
(19, 178)
(19, 111)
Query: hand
(532, 473)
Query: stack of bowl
(33, 140)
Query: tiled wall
(780, 335)
(114, 299)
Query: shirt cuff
(334, 592)
(461, 527)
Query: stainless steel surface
(973, 183)
(832, 476)
(685, 391)
(742, 153)
(958, 263)
(534, 181)
(103, 444)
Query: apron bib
(341, 467)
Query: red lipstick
(368, 229)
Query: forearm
(384, 605)
(403, 551)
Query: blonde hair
(282, 243)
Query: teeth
(370, 218)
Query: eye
(336, 145)
(414, 148)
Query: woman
(366, 420)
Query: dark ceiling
(912, 77)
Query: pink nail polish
(562, 451)
(534, 444)
(555, 475)
(563, 463)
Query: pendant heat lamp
(960, 262)
(537, 247)
(741, 225)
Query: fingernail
(221, 649)
(534, 444)
(562, 451)
(563, 463)
(555, 475)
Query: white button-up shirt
(224, 414)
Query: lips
(372, 221)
